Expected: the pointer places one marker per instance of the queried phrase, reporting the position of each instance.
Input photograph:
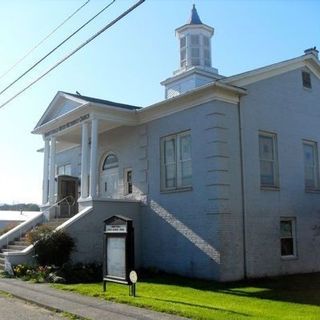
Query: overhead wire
(56, 48)
(109, 25)
(44, 39)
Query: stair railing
(18, 231)
(70, 201)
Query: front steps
(22, 243)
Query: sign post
(118, 250)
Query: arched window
(111, 161)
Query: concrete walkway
(82, 306)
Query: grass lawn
(290, 297)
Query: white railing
(18, 231)
(70, 201)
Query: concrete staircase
(22, 243)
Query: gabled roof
(65, 102)
(101, 101)
(307, 60)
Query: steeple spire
(194, 18)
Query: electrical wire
(44, 39)
(137, 4)
(55, 48)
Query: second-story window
(306, 80)
(311, 167)
(176, 164)
(269, 173)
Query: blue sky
(126, 63)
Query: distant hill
(20, 206)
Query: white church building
(221, 179)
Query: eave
(246, 78)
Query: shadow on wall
(190, 235)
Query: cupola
(195, 57)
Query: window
(195, 49)
(111, 161)
(268, 160)
(64, 170)
(176, 165)
(288, 237)
(127, 181)
(306, 79)
(206, 51)
(311, 168)
(183, 59)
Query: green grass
(285, 298)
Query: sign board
(118, 250)
(116, 228)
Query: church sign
(68, 125)
(118, 250)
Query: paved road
(14, 309)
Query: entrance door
(109, 177)
(68, 190)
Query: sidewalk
(86, 307)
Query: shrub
(54, 248)
(81, 273)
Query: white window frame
(126, 182)
(293, 237)
(63, 168)
(197, 47)
(315, 167)
(183, 52)
(274, 161)
(206, 50)
(177, 162)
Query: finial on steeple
(194, 18)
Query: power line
(44, 39)
(57, 47)
(75, 50)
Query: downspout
(243, 202)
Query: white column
(45, 172)
(84, 160)
(52, 170)
(94, 158)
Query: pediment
(306, 61)
(61, 104)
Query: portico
(78, 127)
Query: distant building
(9, 217)
(221, 178)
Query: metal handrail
(61, 201)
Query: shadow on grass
(201, 306)
(302, 289)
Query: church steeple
(194, 18)
(195, 42)
(195, 57)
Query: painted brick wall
(281, 105)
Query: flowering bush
(38, 232)
(35, 273)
